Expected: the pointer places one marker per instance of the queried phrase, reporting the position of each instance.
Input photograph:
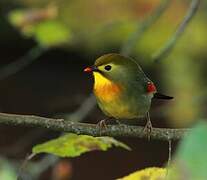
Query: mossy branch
(91, 129)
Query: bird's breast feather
(105, 89)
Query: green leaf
(73, 145)
(191, 158)
(52, 33)
(153, 173)
(19, 18)
(16, 17)
(47, 32)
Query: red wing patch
(151, 87)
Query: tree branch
(164, 51)
(91, 129)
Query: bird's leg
(148, 126)
(102, 124)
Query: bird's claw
(101, 125)
(148, 129)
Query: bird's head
(115, 68)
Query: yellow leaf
(153, 173)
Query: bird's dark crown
(112, 58)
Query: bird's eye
(108, 67)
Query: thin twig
(141, 29)
(12, 68)
(35, 169)
(169, 156)
(91, 129)
(169, 152)
(164, 51)
(28, 158)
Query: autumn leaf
(73, 145)
(153, 173)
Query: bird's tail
(162, 96)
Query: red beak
(88, 69)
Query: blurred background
(45, 45)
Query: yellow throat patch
(104, 89)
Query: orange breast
(104, 89)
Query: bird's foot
(148, 127)
(101, 125)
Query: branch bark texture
(91, 129)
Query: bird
(122, 89)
